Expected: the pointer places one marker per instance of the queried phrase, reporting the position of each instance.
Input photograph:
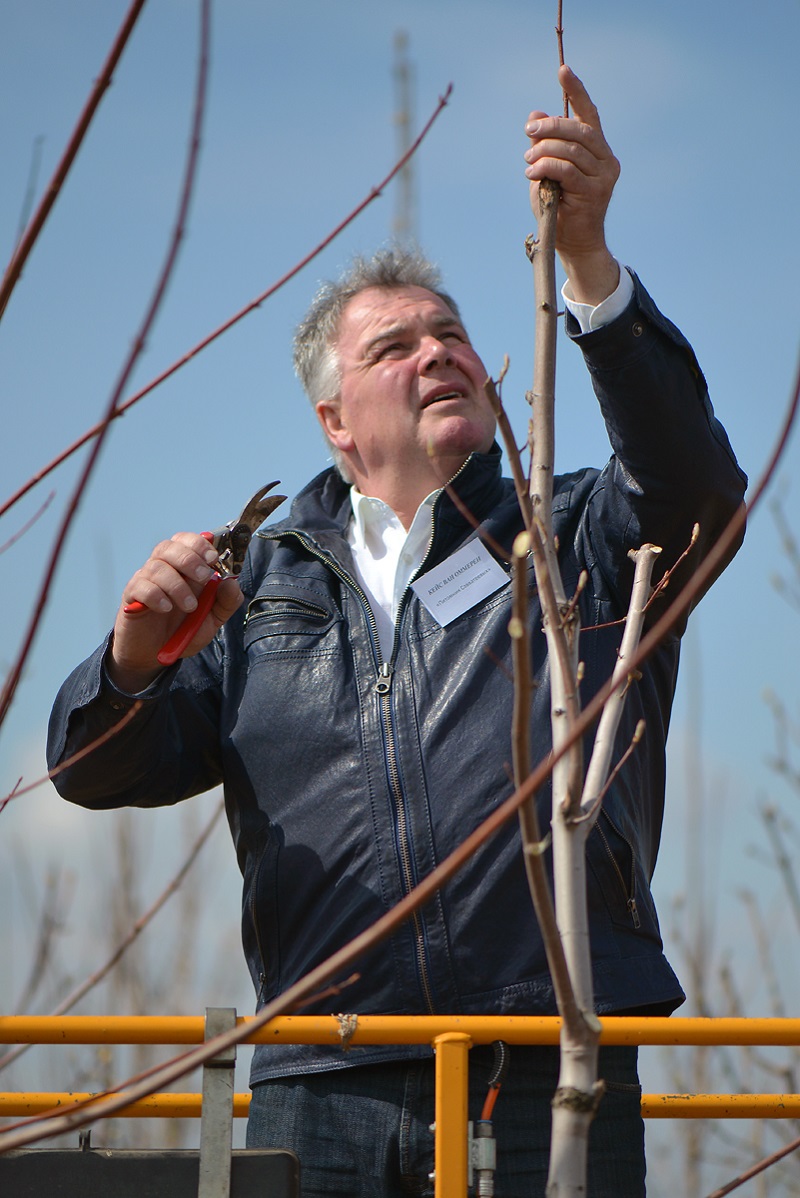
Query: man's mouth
(438, 396)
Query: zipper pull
(384, 683)
(637, 923)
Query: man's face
(411, 406)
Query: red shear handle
(172, 649)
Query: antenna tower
(404, 224)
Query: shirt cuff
(591, 317)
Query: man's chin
(458, 435)
(452, 454)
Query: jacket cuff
(119, 700)
(631, 335)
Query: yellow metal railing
(451, 1038)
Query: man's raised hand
(573, 152)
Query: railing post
(450, 1129)
(216, 1123)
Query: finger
(161, 587)
(158, 590)
(582, 104)
(570, 131)
(228, 600)
(567, 153)
(167, 577)
(195, 544)
(533, 120)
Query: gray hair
(316, 361)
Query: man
(360, 737)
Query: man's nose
(434, 353)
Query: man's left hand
(574, 153)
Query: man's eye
(394, 347)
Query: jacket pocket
(260, 919)
(611, 860)
(282, 623)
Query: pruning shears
(231, 542)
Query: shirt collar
(372, 518)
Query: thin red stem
(28, 239)
(12, 680)
(28, 523)
(754, 1170)
(20, 790)
(228, 324)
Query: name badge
(464, 579)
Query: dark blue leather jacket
(347, 778)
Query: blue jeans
(365, 1132)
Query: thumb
(227, 600)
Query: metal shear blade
(231, 541)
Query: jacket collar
(323, 506)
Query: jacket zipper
(629, 890)
(384, 685)
(383, 688)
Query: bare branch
(97, 429)
(532, 843)
(11, 794)
(754, 1170)
(560, 37)
(28, 524)
(665, 578)
(788, 588)
(18, 790)
(30, 188)
(782, 860)
(12, 680)
(483, 534)
(51, 922)
(612, 710)
(638, 734)
(133, 934)
(28, 239)
(493, 394)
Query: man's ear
(330, 417)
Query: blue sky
(698, 102)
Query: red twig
(18, 790)
(560, 37)
(28, 239)
(14, 791)
(228, 324)
(13, 678)
(29, 523)
(138, 927)
(667, 575)
(754, 1170)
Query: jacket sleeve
(673, 466)
(168, 751)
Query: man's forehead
(377, 308)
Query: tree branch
(12, 680)
(136, 930)
(97, 429)
(28, 239)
